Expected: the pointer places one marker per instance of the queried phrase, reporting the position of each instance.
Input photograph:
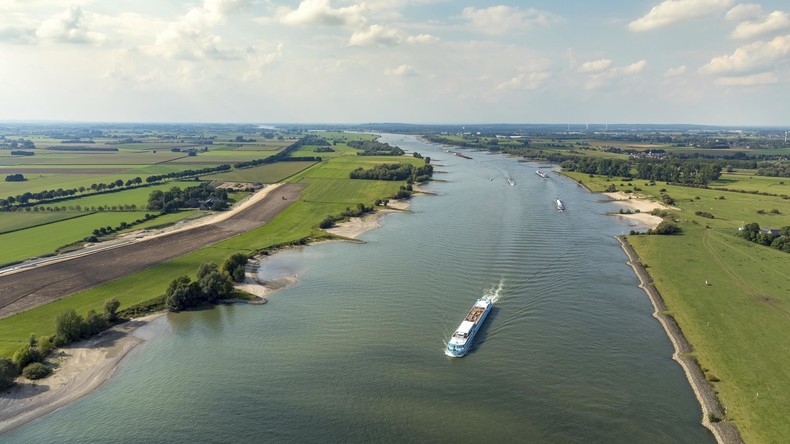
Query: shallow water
(353, 352)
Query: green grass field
(271, 173)
(134, 196)
(739, 324)
(18, 220)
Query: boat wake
(494, 293)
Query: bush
(36, 370)
(69, 326)
(8, 372)
(666, 227)
(26, 355)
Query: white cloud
(669, 12)
(376, 35)
(192, 37)
(502, 19)
(595, 65)
(401, 71)
(603, 78)
(69, 27)
(525, 81)
(765, 78)
(752, 58)
(775, 21)
(257, 61)
(421, 38)
(744, 11)
(676, 71)
(320, 12)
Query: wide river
(353, 352)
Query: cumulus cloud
(744, 11)
(502, 19)
(191, 36)
(753, 58)
(603, 78)
(321, 12)
(773, 22)
(525, 81)
(670, 12)
(676, 71)
(595, 65)
(376, 35)
(69, 27)
(257, 61)
(401, 71)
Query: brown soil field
(37, 286)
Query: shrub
(8, 372)
(36, 370)
(26, 355)
(69, 326)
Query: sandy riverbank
(724, 431)
(81, 368)
(638, 203)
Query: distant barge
(461, 341)
(464, 156)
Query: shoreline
(85, 366)
(640, 205)
(81, 368)
(724, 431)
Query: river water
(353, 352)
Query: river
(353, 352)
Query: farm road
(37, 286)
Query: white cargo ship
(461, 341)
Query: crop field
(134, 196)
(739, 321)
(45, 239)
(271, 173)
(17, 220)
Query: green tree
(69, 326)
(95, 323)
(25, 355)
(111, 309)
(182, 294)
(234, 266)
(215, 284)
(8, 372)
(36, 370)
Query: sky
(717, 62)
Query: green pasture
(53, 181)
(17, 220)
(220, 157)
(747, 180)
(738, 323)
(134, 196)
(270, 173)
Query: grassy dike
(328, 191)
(738, 323)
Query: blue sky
(414, 61)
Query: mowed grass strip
(271, 173)
(738, 323)
(45, 239)
(19, 220)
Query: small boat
(542, 174)
(510, 181)
(560, 205)
(461, 341)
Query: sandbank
(80, 368)
(638, 203)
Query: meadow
(730, 297)
(269, 173)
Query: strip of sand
(81, 368)
(638, 203)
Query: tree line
(60, 194)
(176, 198)
(374, 148)
(394, 172)
(213, 283)
(753, 233)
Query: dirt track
(37, 286)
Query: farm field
(18, 220)
(135, 196)
(749, 286)
(269, 173)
